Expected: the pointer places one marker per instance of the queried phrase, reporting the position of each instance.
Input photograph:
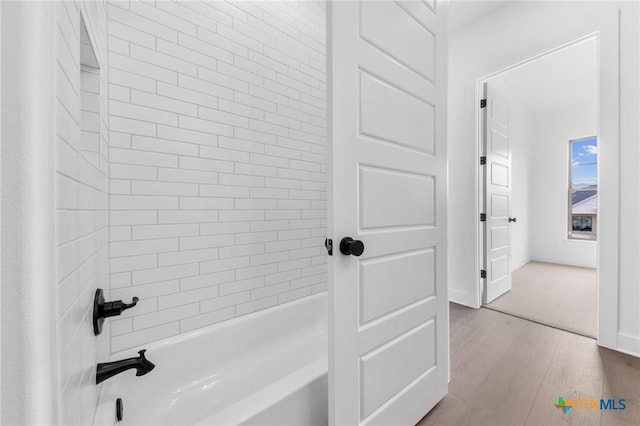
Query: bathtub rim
(267, 397)
(212, 328)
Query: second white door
(497, 196)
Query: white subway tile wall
(82, 202)
(217, 161)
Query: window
(583, 188)
(581, 223)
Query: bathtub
(266, 368)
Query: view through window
(583, 189)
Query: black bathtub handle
(102, 309)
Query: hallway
(509, 371)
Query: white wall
(549, 182)
(218, 170)
(81, 203)
(513, 33)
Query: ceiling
(464, 13)
(560, 79)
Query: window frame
(571, 234)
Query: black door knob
(513, 219)
(350, 246)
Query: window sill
(580, 242)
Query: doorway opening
(539, 188)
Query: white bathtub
(266, 368)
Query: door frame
(606, 33)
(480, 141)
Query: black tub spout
(110, 369)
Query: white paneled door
(497, 197)
(389, 349)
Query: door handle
(513, 219)
(350, 246)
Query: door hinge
(328, 244)
(483, 217)
(483, 273)
(483, 161)
(483, 103)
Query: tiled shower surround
(82, 200)
(217, 161)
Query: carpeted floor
(557, 295)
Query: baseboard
(555, 261)
(629, 344)
(519, 263)
(461, 298)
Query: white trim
(575, 242)
(520, 263)
(628, 343)
(330, 222)
(608, 220)
(29, 387)
(457, 296)
(1, 223)
(606, 31)
(571, 41)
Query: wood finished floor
(510, 371)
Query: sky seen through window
(584, 163)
